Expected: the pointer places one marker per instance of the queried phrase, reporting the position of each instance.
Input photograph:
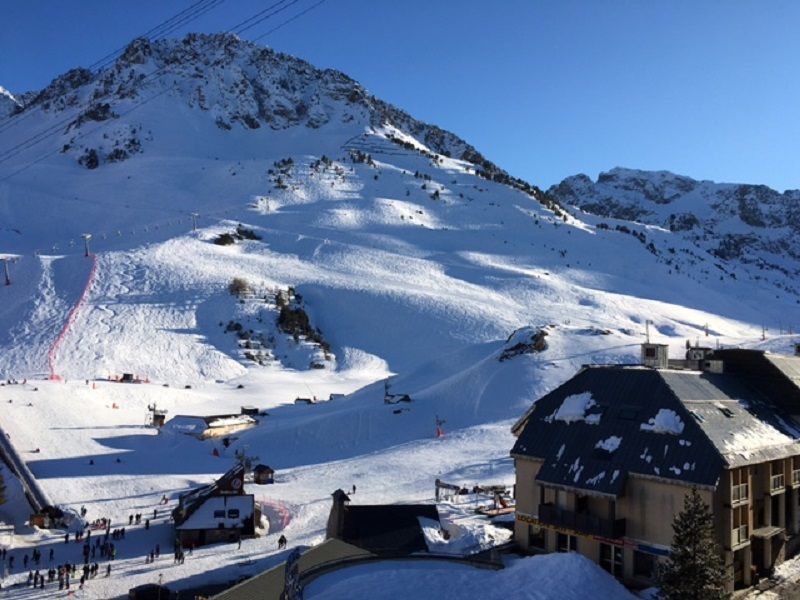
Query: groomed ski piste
(415, 271)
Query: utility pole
(194, 220)
(86, 237)
(8, 259)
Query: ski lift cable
(54, 129)
(108, 58)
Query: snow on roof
(573, 409)
(665, 421)
(566, 576)
(609, 444)
(186, 424)
(230, 511)
(757, 436)
(596, 479)
(232, 420)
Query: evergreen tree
(695, 570)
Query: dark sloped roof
(626, 398)
(738, 418)
(743, 416)
(788, 365)
(776, 376)
(387, 529)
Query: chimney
(655, 355)
(335, 527)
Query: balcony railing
(739, 535)
(776, 482)
(796, 477)
(582, 522)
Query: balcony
(796, 477)
(582, 522)
(776, 483)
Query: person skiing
(281, 542)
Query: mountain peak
(238, 85)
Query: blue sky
(545, 89)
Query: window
(537, 537)
(644, 565)
(776, 481)
(795, 470)
(566, 543)
(740, 491)
(233, 513)
(219, 514)
(740, 533)
(611, 559)
(649, 352)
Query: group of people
(137, 518)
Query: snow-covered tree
(695, 570)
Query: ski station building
(219, 512)
(213, 426)
(604, 461)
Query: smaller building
(219, 512)
(212, 426)
(383, 529)
(262, 474)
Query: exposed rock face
(525, 340)
(747, 224)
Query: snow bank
(665, 421)
(466, 537)
(573, 409)
(547, 577)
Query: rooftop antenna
(647, 324)
(8, 259)
(86, 237)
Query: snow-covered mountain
(381, 221)
(747, 228)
